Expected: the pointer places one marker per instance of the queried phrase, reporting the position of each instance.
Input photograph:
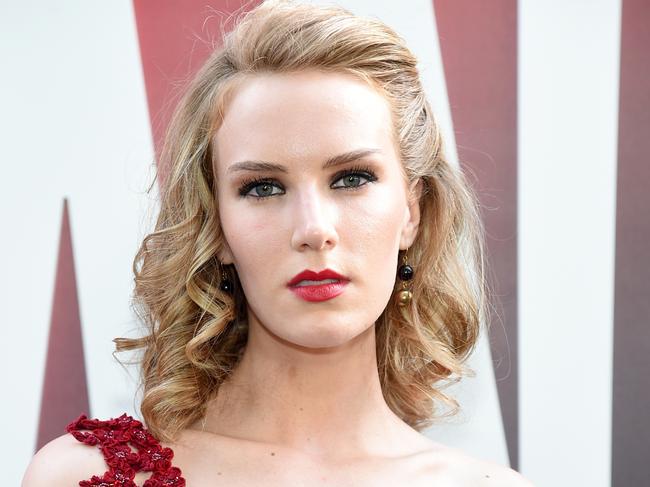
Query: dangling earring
(405, 273)
(225, 285)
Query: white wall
(74, 124)
(568, 110)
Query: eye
(354, 178)
(259, 188)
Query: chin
(321, 340)
(324, 335)
(330, 330)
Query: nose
(314, 221)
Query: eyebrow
(272, 166)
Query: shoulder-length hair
(196, 332)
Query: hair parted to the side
(196, 333)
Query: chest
(243, 469)
(256, 477)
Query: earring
(405, 273)
(225, 285)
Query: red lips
(316, 276)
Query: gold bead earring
(405, 273)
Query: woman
(306, 172)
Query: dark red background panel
(478, 41)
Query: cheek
(255, 239)
(372, 243)
(374, 225)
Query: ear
(225, 254)
(412, 215)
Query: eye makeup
(361, 171)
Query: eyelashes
(268, 185)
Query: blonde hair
(196, 333)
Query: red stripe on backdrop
(631, 395)
(176, 37)
(478, 42)
(65, 393)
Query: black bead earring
(405, 273)
(225, 285)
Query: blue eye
(352, 179)
(262, 188)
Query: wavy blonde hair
(196, 333)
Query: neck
(325, 402)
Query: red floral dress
(114, 438)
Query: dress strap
(114, 438)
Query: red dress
(114, 438)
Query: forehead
(299, 116)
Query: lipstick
(304, 286)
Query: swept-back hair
(196, 333)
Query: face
(285, 209)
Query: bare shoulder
(494, 474)
(461, 469)
(63, 462)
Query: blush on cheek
(260, 226)
(380, 220)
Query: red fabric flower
(115, 438)
(170, 478)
